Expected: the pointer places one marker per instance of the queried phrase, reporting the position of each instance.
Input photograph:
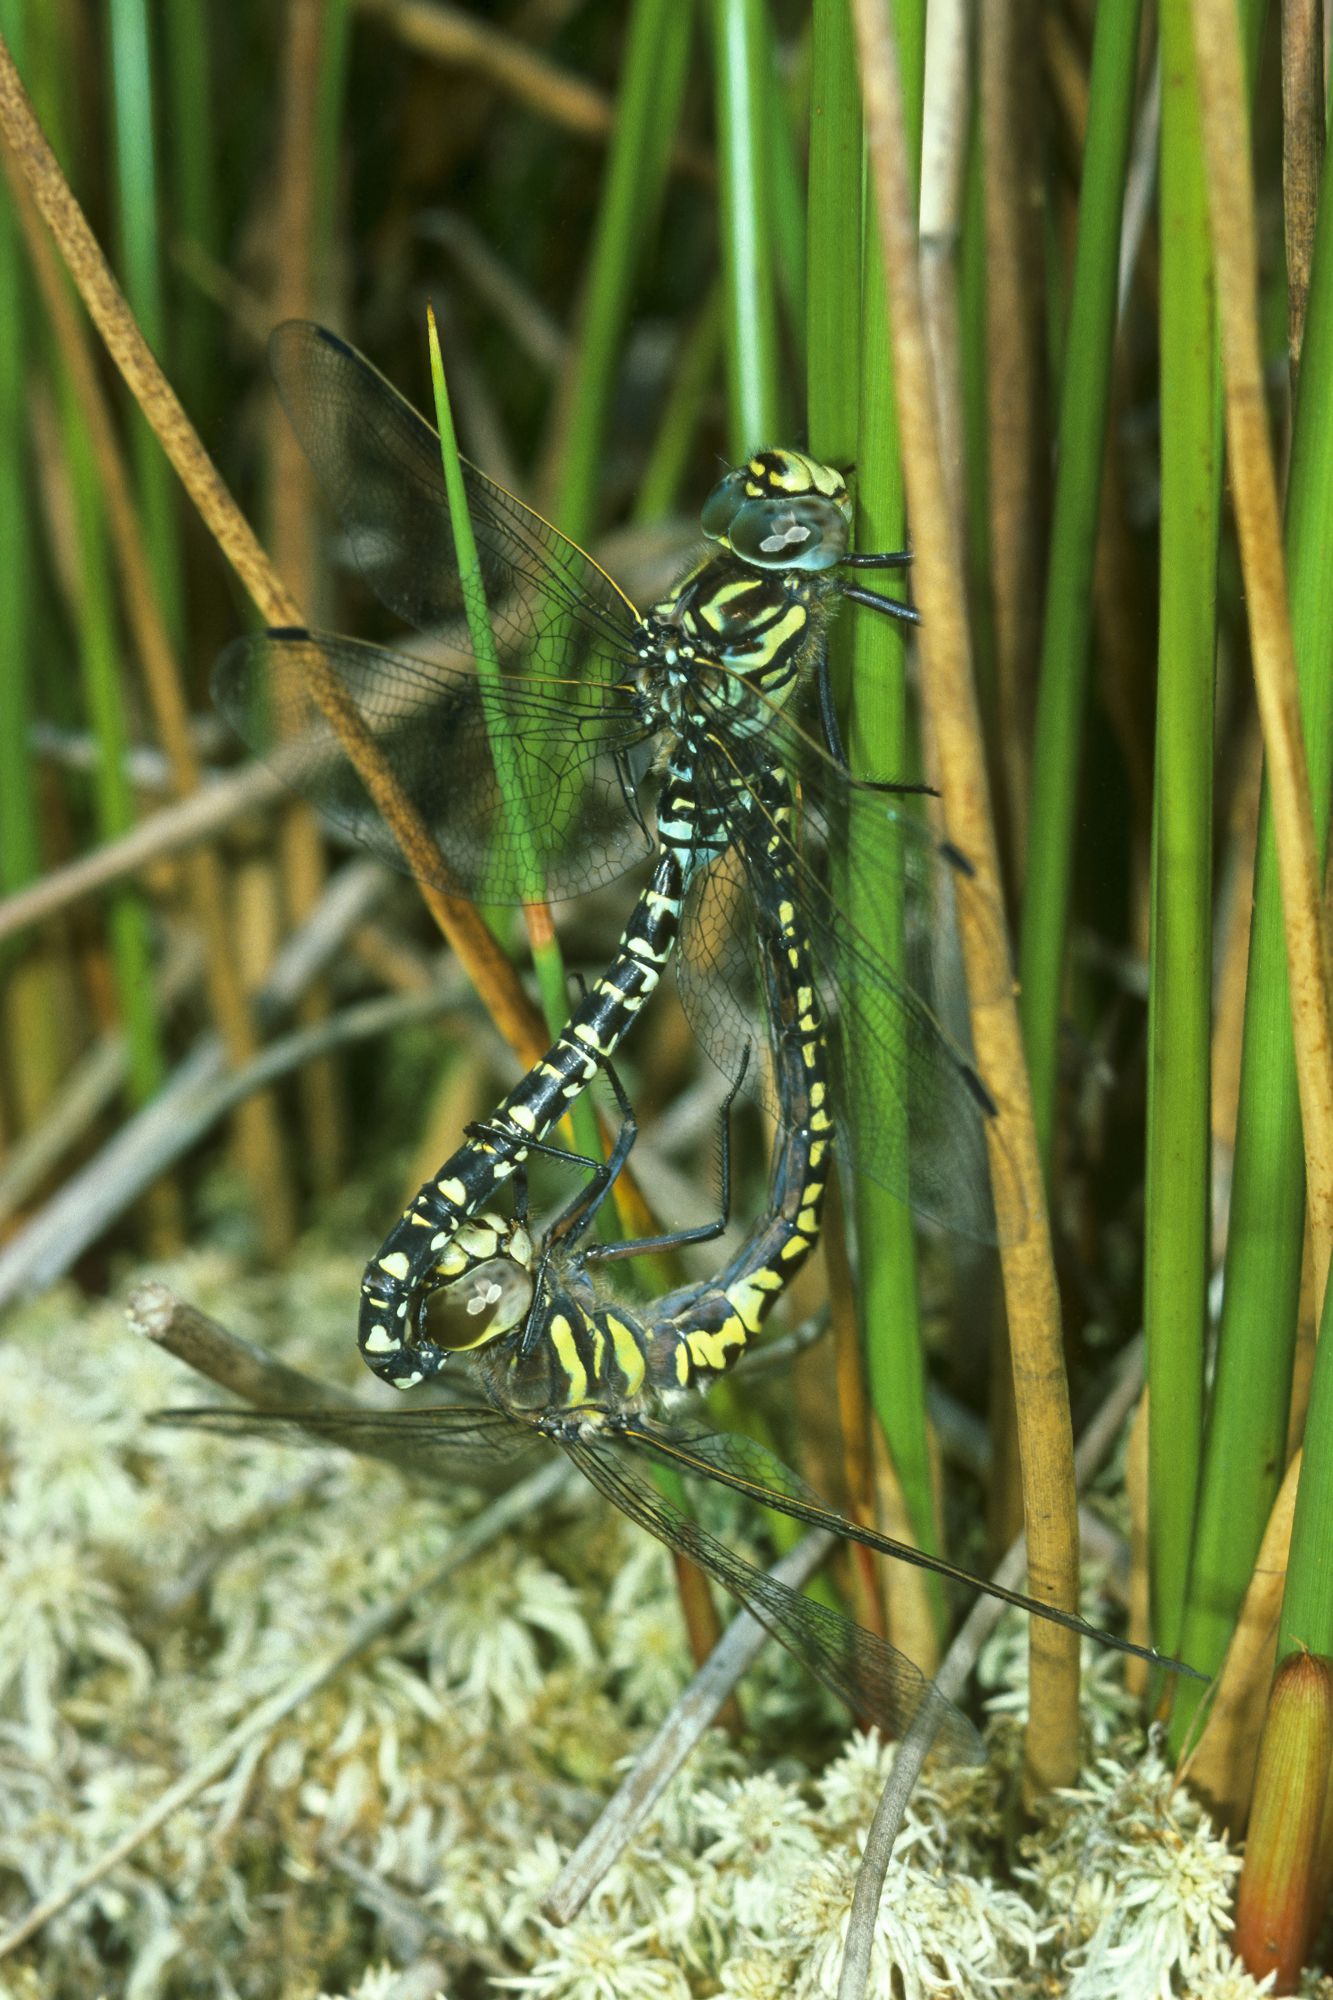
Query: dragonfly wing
(720, 976)
(479, 768)
(872, 1677)
(909, 1097)
(437, 1441)
(379, 463)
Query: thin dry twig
(1045, 1432)
(213, 1350)
(671, 1744)
(854, 1973)
(522, 315)
(448, 35)
(1226, 135)
(367, 1021)
(490, 971)
(188, 1103)
(159, 838)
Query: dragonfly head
(781, 510)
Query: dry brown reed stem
(1226, 135)
(1045, 1432)
(852, 1477)
(1017, 457)
(492, 975)
(1221, 1768)
(703, 1627)
(1302, 152)
(90, 1085)
(1236, 907)
(256, 1123)
(299, 856)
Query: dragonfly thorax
(728, 634)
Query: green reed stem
(1245, 1447)
(1179, 1152)
(788, 114)
(692, 379)
(193, 193)
(833, 235)
(96, 628)
(100, 658)
(547, 958)
(743, 84)
(647, 114)
(1066, 636)
(853, 416)
(140, 240)
(880, 745)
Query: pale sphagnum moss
(157, 1585)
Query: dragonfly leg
(828, 713)
(886, 559)
(906, 614)
(703, 1232)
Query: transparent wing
(436, 1441)
(872, 1677)
(524, 786)
(379, 464)
(749, 1468)
(857, 860)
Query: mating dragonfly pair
(607, 737)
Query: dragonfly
(613, 737)
(552, 1356)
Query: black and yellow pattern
(532, 788)
(597, 1360)
(557, 1359)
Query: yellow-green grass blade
(1066, 634)
(1178, 1208)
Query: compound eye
(719, 509)
(494, 1298)
(808, 533)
